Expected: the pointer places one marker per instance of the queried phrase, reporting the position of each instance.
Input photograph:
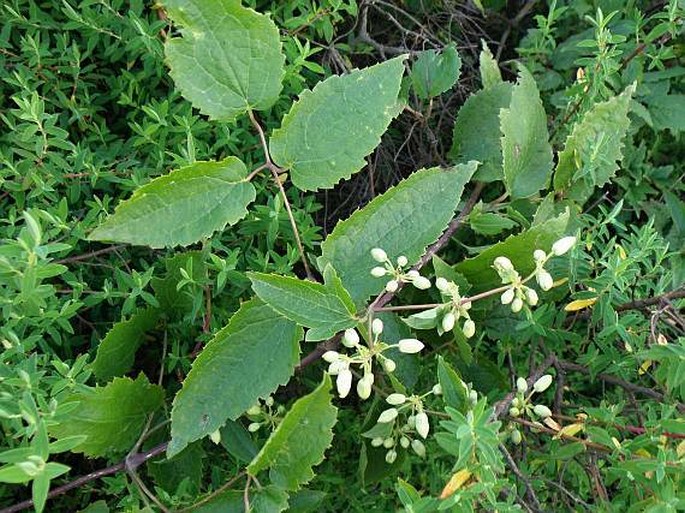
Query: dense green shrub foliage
(342, 256)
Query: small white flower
(389, 365)
(418, 447)
(531, 296)
(396, 399)
(269, 401)
(542, 411)
(516, 436)
(516, 305)
(404, 442)
(421, 283)
(514, 411)
(377, 327)
(521, 385)
(448, 321)
(254, 426)
(563, 245)
(344, 382)
(331, 356)
(503, 263)
(422, 424)
(410, 345)
(335, 367)
(442, 284)
(437, 389)
(402, 260)
(413, 274)
(379, 255)
(469, 328)
(387, 416)
(364, 388)
(539, 255)
(473, 397)
(543, 383)
(507, 296)
(350, 338)
(254, 410)
(392, 286)
(390, 456)
(376, 442)
(545, 280)
(379, 272)
(389, 442)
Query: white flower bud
(563, 245)
(413, 274)
(411, 421)
(448, 321)
(469, 328)
(376, 442)
(437, 389)
(390, 456)
(378, 272)
(516, 436)
(387, 416)
(215, 436)
(254, 410)
(473, 397)
(377, 327)
(507, 296)
(350, 338)
(543, 383)
(517, 402)
(542, 411)
(396, 399)
(335, 367)
(514, 412)
(392, 286)
(364, 388)
(389, 442)
(422, 424)
(531, 297)
(254, 426)
(389, 365)
(331, 356)
(521, 385)
(402, 260)
(516, 305)
(410, 345)
(418, 447)
(344, 382)
(421, 283)
(404, 442)
(269, 401)
(503, 263)
(545, 280)
(539, 255)
(442, 284)
(379, 255)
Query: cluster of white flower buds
(455, 309)
(522, 404)
(404, 434)
(340, 364)
(396, 273)
(264, 415)
(517, 294)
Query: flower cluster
(522, 404)
(340, 364)
(264, 415)
(403, 434)
(517, 293)
(397, 273)
(455, 309)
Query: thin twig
(87, 256)
(530, 492)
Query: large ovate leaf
(667, 111)
(321, 308)
(332, 128)
(590, 155)
(116, 353)
(246, 360)
(518, 248)
(111, 417)
(526, 152)
(229, 59)
(476, 134)
(403, 221)
(300, 440)
(435, 72)
(182, 207)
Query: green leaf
(39, 491)
(313, 305)
(590, 155)
(518, 248)
(667, 111)
(306, 501)
(246, 360)
(116, 353)
(229, 59)
(330, 130)
(476, 134)
(402, 222)
(182, 207)
(300, 440)
(526, 152)
(185, 468)
(96, 507)
(237, 441)
(489, 223)
(435, 72)
(454, 390)
(490, 75)
(268, 499)
(173, 302)
(112, 416)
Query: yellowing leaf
(580, 304)
(644, 367)
(455, 482)
(569, 430)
